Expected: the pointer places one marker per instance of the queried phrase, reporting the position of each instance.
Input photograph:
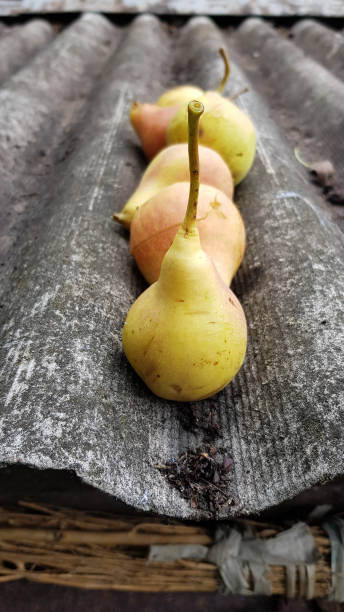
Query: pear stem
(224, 56)
(195, 110)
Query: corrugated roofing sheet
(69, 158)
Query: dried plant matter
(74, 548)
(202, 477)
(88, 550)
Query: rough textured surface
(307, 104)
(17, 45)
(303, 80)
(326, 46)
(38, 105)
(70, 400)
(17, 596)
(180, 7)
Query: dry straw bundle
(82, 549)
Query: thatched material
(82, 549)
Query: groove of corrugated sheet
(68, 160)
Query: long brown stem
(195, 110)
(224, 56)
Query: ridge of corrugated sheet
(71, 401)
(19, 44)
(321, 43)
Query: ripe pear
(170, 166)
(220, 226)
(150, 123)
(179, 95)
(224, 128)
(186, 334)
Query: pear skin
(150, 123)
(170, 166)
(185, 336)
(179, 95)
(224, 128)
(220, 226)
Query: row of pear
(186, 335)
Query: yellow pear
(179, 95)
(224, 128)
(220, 225)
(186, 334)
(171, 166)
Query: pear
(186, 334)
(224, 128)
(220, 226)
(170, 166)
(150, 123)
(179, 95)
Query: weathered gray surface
(38, 107)
(322, 43)
(300, 84)
(71, 401)
(19, 44)
(181, 7)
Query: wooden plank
(332, 8)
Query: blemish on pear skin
(176, 388)
(215, 363)
(215, 204)
(150, 370)
(198, 312)
(180, 300)
(221, 214)
(148, 345)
